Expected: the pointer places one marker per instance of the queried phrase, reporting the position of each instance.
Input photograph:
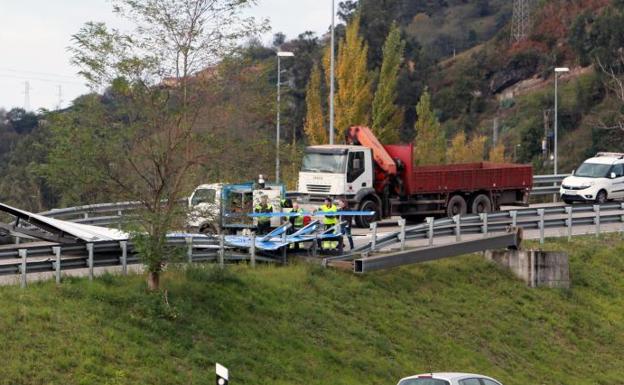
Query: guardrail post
(56, 250)
(189, 248)
(252, 250)
(540, 212)
(568, 210)
(221, 251)
(457, 220)
(402, 235)
(430, 230)
(373, 228)
(119, 214)
(484, 221)
(23, 253)
(90, 260)
(124, 257)
(514, 218)
(597, 219)
(285, 248)
(315, 246)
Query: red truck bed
(460, 177)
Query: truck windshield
(203, 196)
(592, 170)
(330, 163)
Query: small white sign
(222, 373)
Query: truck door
(359, 176)
(617, 184)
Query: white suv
(449, 379)
(598, 179)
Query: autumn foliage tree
(314, 126)
(463, 150)
(429, 146)
(353, 96)
(387, 117)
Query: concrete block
(537, 268)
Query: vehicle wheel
(568, 202)
(481, 204)
(367, 205)
(456, 206)
(601, 197)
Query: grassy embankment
(304, 325)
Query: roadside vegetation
(305, 325)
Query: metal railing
(28, 258)
(562, 217)
(547, 184)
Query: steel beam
(509, 240)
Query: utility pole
(332, 76)
(521, 20)
(27, 95)
(280, 54)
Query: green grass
(305, 325)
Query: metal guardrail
(28, 258)
(114, 214)
(564, 217)
(547, 184)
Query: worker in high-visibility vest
(329, 221)
(297, 221)
(264, 207)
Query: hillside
(304, 325)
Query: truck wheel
(601, 197)
(367, 205)
(481, 204)
(456, 206)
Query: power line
(38, 73)
(39, 79)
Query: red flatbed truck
(383, 178)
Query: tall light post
(558, 70)
(332, 76)
(280, 54)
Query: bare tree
(157, 73)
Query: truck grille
(318, 188)
(565, 187)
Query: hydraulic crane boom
(363, 136)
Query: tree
(429, 146)
(314, 122)
(353, 97)
(497, 154)
(463, 150)
(145, 135)
(387, 116)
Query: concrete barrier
(536, 268)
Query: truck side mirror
(357, 164)
(612, 175)
(573, 171)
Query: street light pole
(332, 80)
(557, 71)
(555, 155)
(280, 54)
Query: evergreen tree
(387, 116)
(429, 144)
(314, 124)
(353, 95)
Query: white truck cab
(336, 170)
(598, 179)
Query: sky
(35, 34)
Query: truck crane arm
(363, 136)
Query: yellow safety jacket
(298, 222)
(329, 220)
(263, 209)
